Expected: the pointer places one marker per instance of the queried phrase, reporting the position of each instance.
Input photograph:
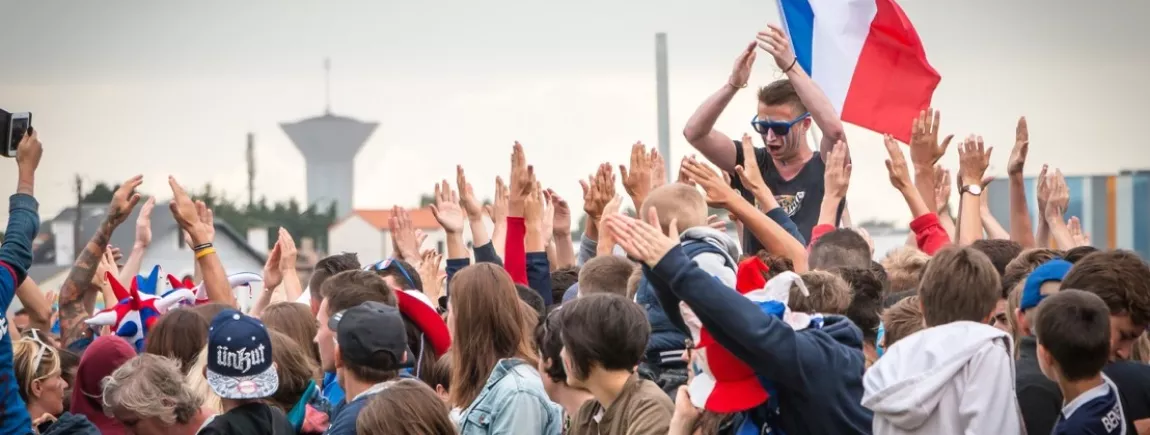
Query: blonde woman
(38, 375)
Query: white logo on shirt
(1111, 420)
(241, 359)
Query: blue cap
(571, 293)
(1053, 270)
(240, 357)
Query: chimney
(258, 239)
(65, 243)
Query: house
(365, 232)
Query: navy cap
(372, 334)
(239, 362)
(1053, 270)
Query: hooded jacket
(953, 378)
(71, 424)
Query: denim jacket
(15, 259)
(512, 402)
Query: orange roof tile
(421, 218)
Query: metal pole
(663, 101)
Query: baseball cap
(1053, 270)
(418, 308)
(240, 357)
(372, 334)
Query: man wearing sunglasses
(786, 109)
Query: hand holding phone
(14, 127)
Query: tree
(426, 200)
(100, 193)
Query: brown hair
(209, 311)
(781, 92)
(561, 280)
(775, 264)
(1021, 266)
(294, 320)
(328, 267)
(842, 247)
(406, 407)
(353, 287)
(904, 267)
(180, 335)
(829, 294)
(1120, 278)
(901, 320)
(865, 300)
(440, 374)
(1012, 302)
(960, 283)
(1073, 326)
(1001, 252)
(675, 201)
(603, 330)
(633, 282)
(605, 274)
(487, 328)
(296, 370)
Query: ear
(1020, 320)
(339, 357)
(37, 387)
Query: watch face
(974, 189)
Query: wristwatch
(973, 189)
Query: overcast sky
(125, 87)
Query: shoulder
(649, 396)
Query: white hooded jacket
(956, 378)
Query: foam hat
(135, 313)
(415, 305)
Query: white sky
(125, 87)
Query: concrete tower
(329, 144)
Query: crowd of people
(659, 323)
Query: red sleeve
(929, 234)
(818, 231)
(514, 251)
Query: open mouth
(774, 148)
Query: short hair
(901, 320)
(405, 407)
(549, 343)
(1120, 278)
(151, 386)
(633, 282)
(401, 277)
(894, 298)
(178, 334)
(960, 283)
(561, 280)
(440, 373)
(675, 201)
(605, 274)
(781, 92)
(866, 300)
(1017, 269)
(842, 247)
(1079, 252)
(604, 330)
(776, 264)
(904, 266)
(1073, 326)
(328, 267)
(1000, 252)
(353, 287)
(879, 272)
(531, 297)
(829, 293)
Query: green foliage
(101, 193)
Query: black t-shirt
(1133, 381)
(801, 197)
(249, 419)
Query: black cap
(372, 334)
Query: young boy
(1073, 330)
(713, 251)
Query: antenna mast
(327, 85)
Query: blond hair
(151, 386)
(901, 320)
(676, 201)
(904, 266)
(24, 352)
(199, 384)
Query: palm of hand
(450, 216)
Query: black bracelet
(202, 247)
(793, 62)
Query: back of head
(829, 294)
(561, 280)
(866, 300)
(901, 319)
(296, 321)
(1073, 328)
(1001, 252)
(605, 274)
(485, 327)
(775, 264)
(151, 386)
(960, 283)
(879, 273)
(1021, 266)
(676, 201)
(842, 247)
(178, 334)
(401, 275)
(606, 331)
(1079, 252)
(406, 407)
(295, 369)
(633, 282)
(328, 267)
(100, 359)
(1120, 278)
(353, 287)
(209, 311)
(904, 267)
(530, 297)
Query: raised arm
(191, 217)
(942, 182)
(1056, 208)
(497, 211)
(1020, 228)
(143, 239)
(700, 130)
(561, 231)
(994, 230)
(472, 208)
(974, 158)
(23, 222)
(774, 41)
(1042, 235)
(929, 234)
(450, 216)
(925, 151)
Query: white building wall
(354, 234)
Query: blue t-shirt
(1094, 412)
(332, 392)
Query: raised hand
(896, 165)
(144, 224)
(644, 241)
(1021, 148)
(597, 191)
(522, 180)
(718, 193)
(1075, 226)
(658, 169)
(774, 41)
(741, 73)
(973, 159)
(924, 147)
(467, 199)
(837, 176)
(208, 219)
(683, 177)
(28, 153)
(498, 210)
(637, 181)
(403, 234)
(429, 274)
(534, 207)
(289, 252)
(561, 216)
(446, 208)
(715, 222)
(941, 187)
(124, 200)
(749, 172)
(548, 223)
(273, 275)
(1059, 197)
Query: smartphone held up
(13, 127)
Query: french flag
(866, 57)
